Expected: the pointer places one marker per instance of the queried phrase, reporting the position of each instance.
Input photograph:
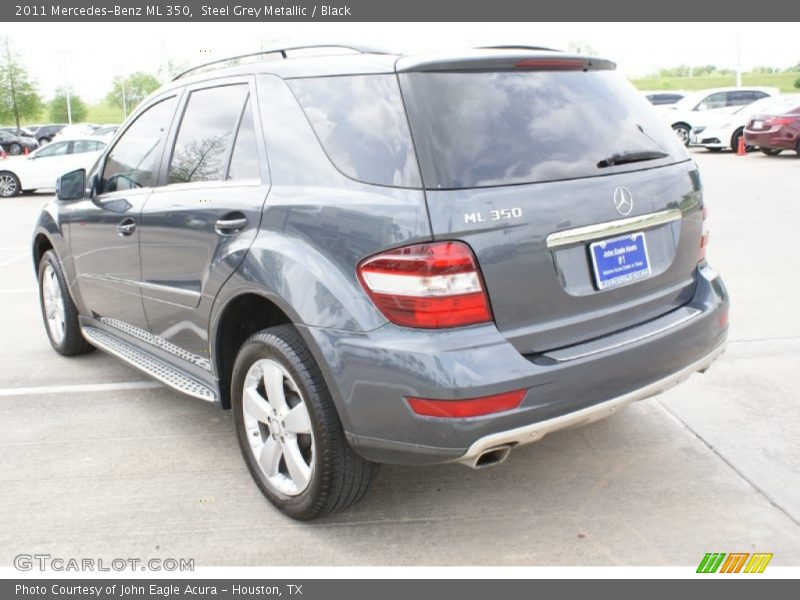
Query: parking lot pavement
(710, 466)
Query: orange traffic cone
(742, 149)
(3, 154)
(25, 150)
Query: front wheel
(15, 149)
(58, 311)
(682, 131)
(288, 429)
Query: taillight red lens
(432, 285)
(473, 407)
(784, 120)
(703, 236)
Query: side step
(157, 369)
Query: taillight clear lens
(431, 285)
(703, 236)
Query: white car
(686, 113)
(722, 128)
(41, 168)
(76, 131)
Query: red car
(773, 133)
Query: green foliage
(19, 100)
(58, 107)
(136, 87)
(783, 81)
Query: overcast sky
(91, 54)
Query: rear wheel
(682, 131)
(9, 184)
(771, 151)
(15, 149)
(288, 429)
(44, 141)
(58, 311)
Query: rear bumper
(371, 374)
(779, 139)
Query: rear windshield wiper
(623, 158)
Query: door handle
(126, 227)
(228, 226)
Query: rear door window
(362, 126)
(206, 134)
(480, 129)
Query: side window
(758, 95)
(362, 125)
(206, 134)
(740, 98)
(244, 160)
(57, 149)
(83, 146)
(717, 100)
(133, 161)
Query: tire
(331, 476)
(771, 151)
(15, 149)
(714, 149)
(683, 132)
(735, 141)
(44, 141)
(797, 148)
(9, 184)
(59, 314)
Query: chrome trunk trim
(588, 233)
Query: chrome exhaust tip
(492, 457)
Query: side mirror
(71, 186)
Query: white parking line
(8, 261)
(78, 388)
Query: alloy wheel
(53, 304)
(278, 427)
(8, 186)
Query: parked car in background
(14, 144)
(41, 169)
(777, 128)
(723, 128)
(44, 134)
(684, 114)
(663, 98)
(76, 131)
(105, 132)
(21, 132)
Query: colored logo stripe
(712, 562)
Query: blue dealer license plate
(620, 260)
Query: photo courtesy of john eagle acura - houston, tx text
(379, 258)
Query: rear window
(361, 123)
(483, 129)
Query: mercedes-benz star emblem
(623, 201)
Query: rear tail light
(703, 236)
(551, 63)
(784, 120)
(473, 407)
(433, 285)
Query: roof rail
(517, 47)
(282, 52)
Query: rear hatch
(581, 205)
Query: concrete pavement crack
(733, 467)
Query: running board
(157, 369)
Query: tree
(797, 83)
(58, 107)
(129, 91)
(18, 97)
